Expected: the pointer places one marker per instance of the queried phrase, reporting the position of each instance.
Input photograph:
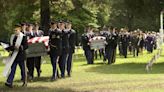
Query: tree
(45, 15)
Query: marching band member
(18, 45)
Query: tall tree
(45, 15)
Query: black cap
(17, 25)
(36, 24)
(23, 23)
(61, 21)
(29, 24)
(53, 22)
(68, 21)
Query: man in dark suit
(20, 47)
(72, 40)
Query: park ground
(126, 75)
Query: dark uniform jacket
(65, 41)
(21, 54)
(72, 40)
(55, 42)
(111, 40)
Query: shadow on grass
(3, 88)
(36, 79)
(126, 68)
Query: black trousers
(37, 63)
(30, 66)
(33, 62)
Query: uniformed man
(23, 28)
(18, 45)
(111, 45)
(115, 42)
(55, 43)
(86, 45)
(72, 40)
(37, 60)
(65, 48)
(124, 42)
(135, 43)
(30, 61)
(150, 43)
(120, 35)
(104, 33)
(24, 31)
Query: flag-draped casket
(97, 42)
(38, 46)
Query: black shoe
(8, 85)
(69, 75)
(38, 75)
(30, 78)
(24, 84)
(53, 79)
(62, 76)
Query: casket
(37, 46)
(97, 42)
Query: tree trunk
(45, 15)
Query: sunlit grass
(126, 75)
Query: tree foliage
(133, 14)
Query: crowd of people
(61, 49)
(133, 42)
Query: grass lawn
(126, 75)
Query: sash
(9, 61)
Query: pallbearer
(30, 61)
(86, 45)
(55, 43)
(72, 37)
(37, 60)
(23, 28)
(18, 45)
(111, 45)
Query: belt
(53, 46)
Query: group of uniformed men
(61, 49)
(134, 42)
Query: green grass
(126, 75)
